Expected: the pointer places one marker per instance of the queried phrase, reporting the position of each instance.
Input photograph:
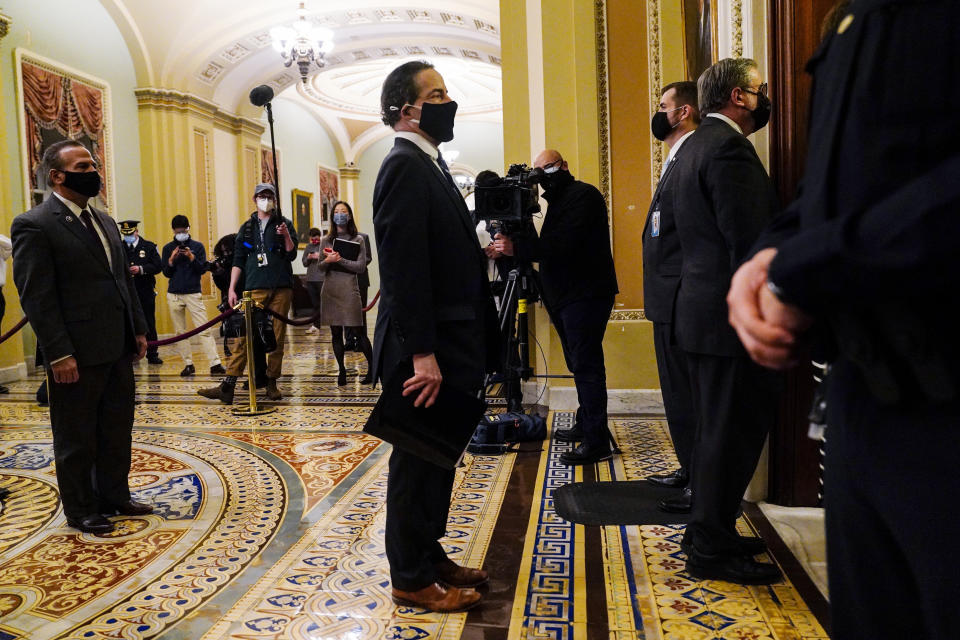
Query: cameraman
(578, 285)
(263, 251)
(184, 261)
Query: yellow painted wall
(567, 118)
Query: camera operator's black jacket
(434, 295)
(573, 247)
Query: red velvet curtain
(54, 101)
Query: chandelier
(302, 42)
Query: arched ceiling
(220, 49)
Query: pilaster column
(350, 183)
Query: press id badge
(655, 224)
(262, 259)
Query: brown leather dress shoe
(130, 508)
(438, 598)
(452, 574)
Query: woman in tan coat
(340, 304)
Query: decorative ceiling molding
(367, 21)
(149, 97)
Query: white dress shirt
(673, 152)
(728, 120)
(424, 145)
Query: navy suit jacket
(434, 295)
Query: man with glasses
(722, 200)
(578, 285)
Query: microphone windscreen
(261, 95)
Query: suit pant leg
(584, 323)
(736, 403)
(148, 302)
(677, 397)
(74, 418)
(418, 501)
(890, 495)
(114, 434)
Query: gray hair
(715, 84)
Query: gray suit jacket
(76, 303)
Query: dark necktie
(88, 223)
(446, 172)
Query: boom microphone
(261, 95)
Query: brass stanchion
(251, 409)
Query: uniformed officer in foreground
(143, 261)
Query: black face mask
(86, 183)
(436, 120)
(551, 181)
(761, 115)
(660, 125)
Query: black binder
(347, 249)
(438, 434)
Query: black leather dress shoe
(154, 360)
(681, 503)
(94, 523)
(586, 455)
(188, 370)
(675, 480)
(749, 546)
(128, 508)
(739, 569)
(574, 434)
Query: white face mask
(265, 204)
(181, 237)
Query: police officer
(143, 261)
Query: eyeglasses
(761, 89)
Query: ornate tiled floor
(272, 527)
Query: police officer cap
(264, 186)
(127, 227)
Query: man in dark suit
(143, 259)
(75, 287)
(722, 200)
(432, 313)
(867, 251)
(676, 119)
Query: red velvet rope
(16, 327)
(372, 302)
(192, 332)
(302, 322)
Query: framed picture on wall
(700, 35)
(328, 193)
(267, 170)
(302, 213)
(56, 103)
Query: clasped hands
(771, 331)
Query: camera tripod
(519, 291)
